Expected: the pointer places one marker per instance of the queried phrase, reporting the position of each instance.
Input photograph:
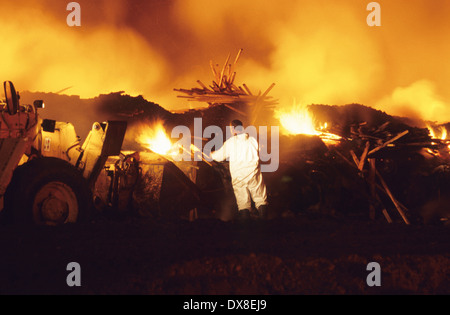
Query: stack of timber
(224, 91)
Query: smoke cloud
(418, 100)
(315, 51)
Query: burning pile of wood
(378, 164)
(223, 91)
(366, 147)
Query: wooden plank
(238, 55)
(258, 104)
(236, 110)
(268, 90)
(233, 76)
(247, 89)
(344, 158)
(394, 201)
(371, 181)
(389, 142)
(355, 158)
(223, 71)
(202, 85)
(232, 67)
(387, 216)
(363, 156)
(214, 71)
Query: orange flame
(155, 138)
(444, 133)
(438, 133)
(297, 120)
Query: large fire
(154, 137)
(299, 120)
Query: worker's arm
(221, 154)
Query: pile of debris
(401, 167)
(381, 165)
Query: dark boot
(244, 215)
(262, 210)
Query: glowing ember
(155, 138)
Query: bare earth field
(298, 255)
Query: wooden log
(202, 85)
(216, 86)
(236, 110)
(229, 73)
(391, 196)
(233, 76)
(223, 71)
(224, 82)
(268, 90)
(258, 104)
(371, 181)
(389, 142)
(355, 158)
(363, 156)
(235, 61)
(238, 56)
(247, 89)
(344, 158)
(382, 127)
(214, 71)
(387, 216)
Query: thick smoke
(40, 52)
(315, 51)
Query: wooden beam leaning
(389, 142)
(394, 201)
(223, 71)
(232, 73)
(387, 216)
(258, 103)
(355, 158)
(236, 110)
(247, 89)
(363, 156)
(373, 193)
(214, 71)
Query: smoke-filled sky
(315, 51)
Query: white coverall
(242, 151)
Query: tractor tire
(48, 191)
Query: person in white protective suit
(242, 152)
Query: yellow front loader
(46, 174)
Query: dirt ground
(294, 255)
